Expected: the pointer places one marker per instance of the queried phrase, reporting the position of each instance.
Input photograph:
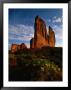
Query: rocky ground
(36, 65)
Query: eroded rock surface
(41, 37)
(16, 47)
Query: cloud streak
(20, 33)
(57, 19)
(23, 33)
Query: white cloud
(49, 20)
(9, 45)
(28, 45)
(21, 32)
(54, 17)
(57, 19)
(21, 29)
(58, 35)
(24, 33)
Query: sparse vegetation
(36, 65)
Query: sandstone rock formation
(51, 37)
(16, 47)
(23, 46)
(41, 37)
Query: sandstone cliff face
(41, 38)
(51, 37)
(40, 27)
(16, 47)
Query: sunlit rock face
(41, 37)
(51, 37)
(16, 47)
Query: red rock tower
(51, 37)
(41, 38)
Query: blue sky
(21, 24)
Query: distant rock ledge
(17, 47)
